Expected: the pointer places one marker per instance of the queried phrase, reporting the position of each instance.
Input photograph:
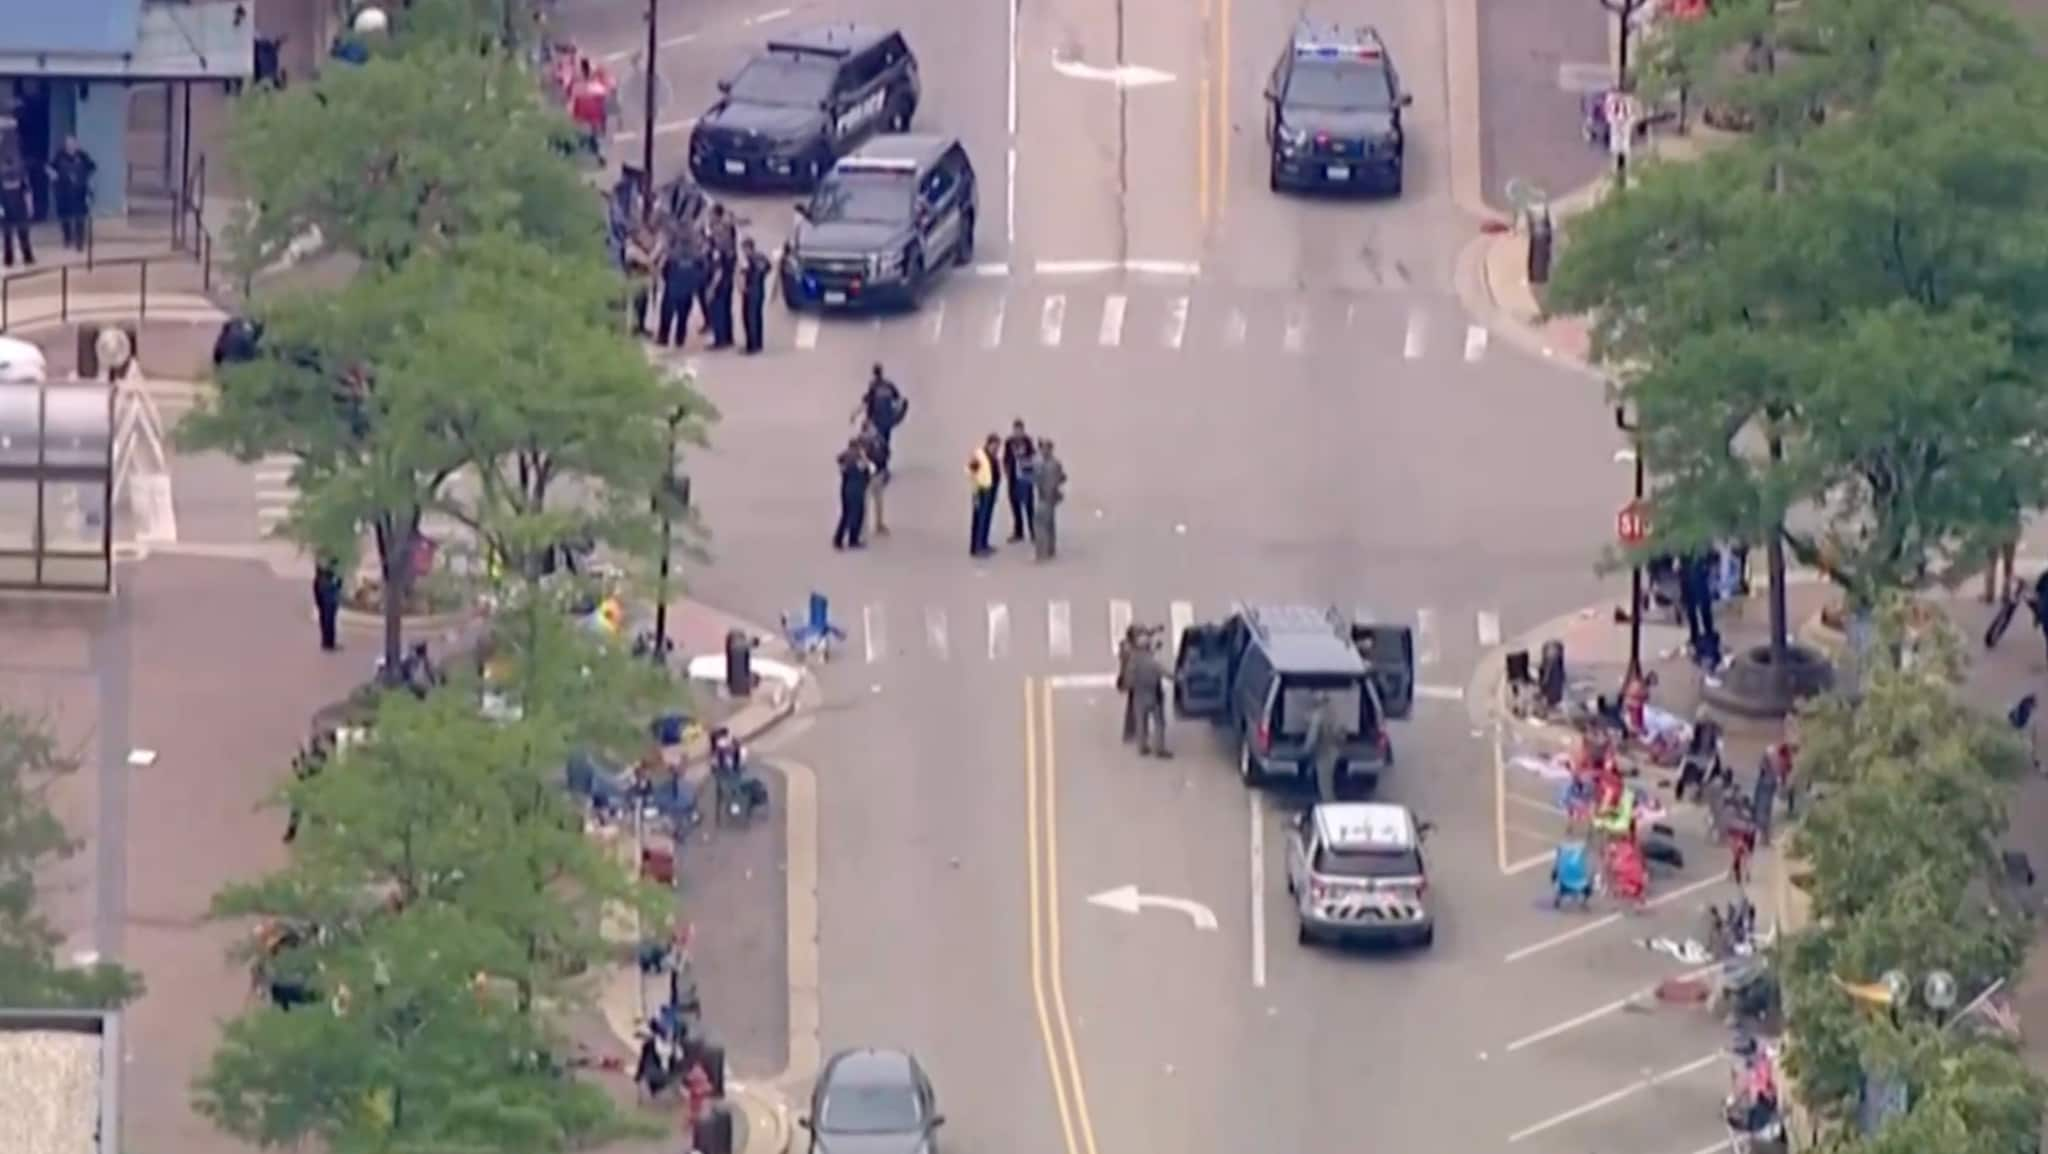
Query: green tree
(409, 152)
(1847, 330)
(31, 842)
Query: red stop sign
(1631, 525)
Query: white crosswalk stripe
(935, 632)
(275, 494)
(998, 631)
(1059, 630)
(1426, 645)
(1141, 318)
(1119, 624)
(874, 629)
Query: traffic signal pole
(648, 109)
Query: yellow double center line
(1212, 134)
(1048, 989)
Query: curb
(174, 308)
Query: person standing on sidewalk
(71, 173)
(327, 603)
(754, 303)
(17, 210)
(1764, 800)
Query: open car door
(1389, 653)
(1201, 672)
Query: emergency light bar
(1314, 51)
(876, 164)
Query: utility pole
(647, 111)
(1635, 576)
(1620, 134)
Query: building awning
(205, 41)
(70, 27)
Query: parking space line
(1626, 1092)
(1256, 804)
(1594, 1015)
(1601, 923)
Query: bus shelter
(56, 486)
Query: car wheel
(814, 172)
(1427, 939)
(963, 252)
(1273, 175)
(1302, 936)
(914, 279)
(899, 120)
(1247, 769)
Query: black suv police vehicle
(1259, 674)
(1333, 113)
(882, 224)
(801, 103)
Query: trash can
(89, 366)
(739, 663)
(1542, 237)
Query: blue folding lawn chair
(813, 635)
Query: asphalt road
(1299, 411)
(1536, 58)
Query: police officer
(1147, 681)
(327, 603)
(854, 472)
(17, 209)
(754, 295)
(682, 274)
(724, 237)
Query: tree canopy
(31, 841)
(1869, 302)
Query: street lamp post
(647, 108)
(674, 491)
(1635, 579)
(1625, 12)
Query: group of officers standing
(681, 264)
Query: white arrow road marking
(1059, 630)
(935, 631)
(1119, 624)
(998, 630)
(937, 324)
(1296, 333)
(1411, 346)
(1113, 321)
(807, 333)
(1122, 76)
(1475, 343)
(1176, 322)
(1051, 319)
(993, 334)
(1234, 327)
(1127, 900)
(1426, 648)
(872, 625)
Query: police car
(1333, 113)
(801, 103)
(883, 225)
(1356, 874)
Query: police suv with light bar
(1333, 113)
(883, 223)
(1356, 873)
(801, 103)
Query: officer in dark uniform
(682, 273)
(855, 471)
(17, 210)
(753, 294)
(327, 603)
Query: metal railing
(191, 243)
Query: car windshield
(870, 1109)
(866, 198)
(1340, 85)
(1298, 697)
(1368, 863)
(784, 82)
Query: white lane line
(1113, 320)
(1010, 192)
(1081, 680)
(807, 333)
(936, 326)
(1059, 630)
(991, 268)
(1475, 343)
(1606, 1100)
(1119, 624)
(1180, 616)
(1427, 646)
(1172, 268)
(1258, 862)
(1074, 267)
(268, 517)
(1593, 1015)
(1234, 329)
(1601, 923)
(1489, 629)
(935, 632)
(1440, 692)
(998, 631)
(1412, 344)
(872, 639)
(665, 128)
(276, 496)
(992, 335)
(768, 17)
(1176, 322)
(1350, 315)
(1051, 318)
(1010, 80)
(672, 42)
(1296, 334)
